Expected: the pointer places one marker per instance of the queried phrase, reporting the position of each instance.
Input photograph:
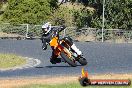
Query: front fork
(72, 51)
(78, 52)
(76, 56)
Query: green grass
(71, 85)
(10, 60)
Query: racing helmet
(46, 28)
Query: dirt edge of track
(17, 82)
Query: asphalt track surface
(101, 57)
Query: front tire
(82, 61)
(68, 60)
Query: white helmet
(46, 28)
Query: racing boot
(55, 60)
(52, 61)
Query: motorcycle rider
(48, 33)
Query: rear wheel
(82, 61)
(68, 60)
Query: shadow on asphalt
(57, 66)
(39, 67)
(60, 66)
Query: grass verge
(71, 85)
(59, 81)
(10, 60)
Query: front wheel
(68, 60)
(82, 61)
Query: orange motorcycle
(62, 48)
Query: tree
(53, 4)
(83, 17)
(27, 11)
(0, 5)
(118, 14)
(63, 15)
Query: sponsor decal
(86, 81)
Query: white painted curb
(30, 62)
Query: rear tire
(82, 61)
(68, 60)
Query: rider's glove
(44, 47)
(63, 27)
